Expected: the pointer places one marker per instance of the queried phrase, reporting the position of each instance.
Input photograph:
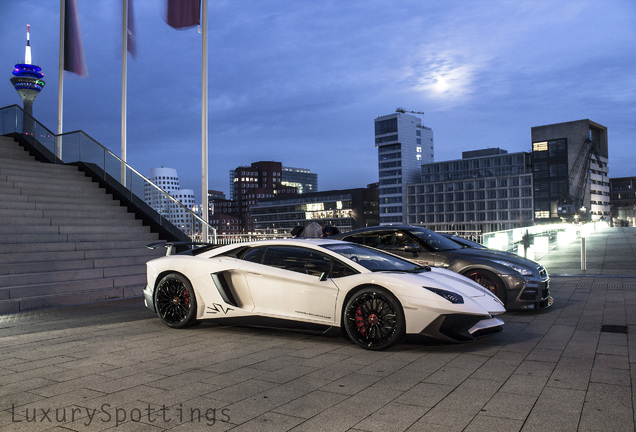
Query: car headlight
(451, 296)
(521, 270)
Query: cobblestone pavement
(114, 366)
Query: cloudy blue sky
(301, 81)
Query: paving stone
(572, 373)
(556, 409)
(607, 407)
(551, 370)
(391, 417)
(311, 404)
(493, 424)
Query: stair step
(28, 281)
(99, 237)
(22, 176)
(97, 198)
(90, 249)
(35, 168)
(75, 261)
(29, 248)
(79, 220)
(47, 266)
(63, 239)
(68, 299)
(52, 186)
(106, 205)
(73, 237)
(109, 212)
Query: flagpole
(204, 118)
(124, 91)
(60, 84)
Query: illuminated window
(540, 146)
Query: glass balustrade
(78, 147)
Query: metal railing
(79, 148)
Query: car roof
(380, 228)
(288, 241)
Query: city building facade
(487, 190)
(570, 178)
(403, 144)
(344, 209)
(300, 178)
(249, 185)
(623, 200)
(174, 211)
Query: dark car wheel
(373, 318)
(175, 302)
(490, 281)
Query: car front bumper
(462, 328)
(528, 294)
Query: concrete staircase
(63, 239)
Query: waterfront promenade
(114, 366)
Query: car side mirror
(412, 248)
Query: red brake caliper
(360, 321)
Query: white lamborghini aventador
(375, 297)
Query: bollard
(583, 258)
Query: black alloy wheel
(489, 281)
(175, 302)
(373, 318)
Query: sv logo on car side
(216, 308)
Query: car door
(285, 281)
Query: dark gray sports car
(518, 282)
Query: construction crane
(403, 111)
(581, 168)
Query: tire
(490, 281)
(175, 302)
(373, 318)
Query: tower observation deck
(27, 81)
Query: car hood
(444, 279)
(490, 254)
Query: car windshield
(373, 259)
(434, 240)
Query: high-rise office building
(404, 144)
(570, 171)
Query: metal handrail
(78, 146)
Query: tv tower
(28, 83)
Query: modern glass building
(404, 144)
(301, 178)
(486, 190)
(571, 171)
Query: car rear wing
(172, 248)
